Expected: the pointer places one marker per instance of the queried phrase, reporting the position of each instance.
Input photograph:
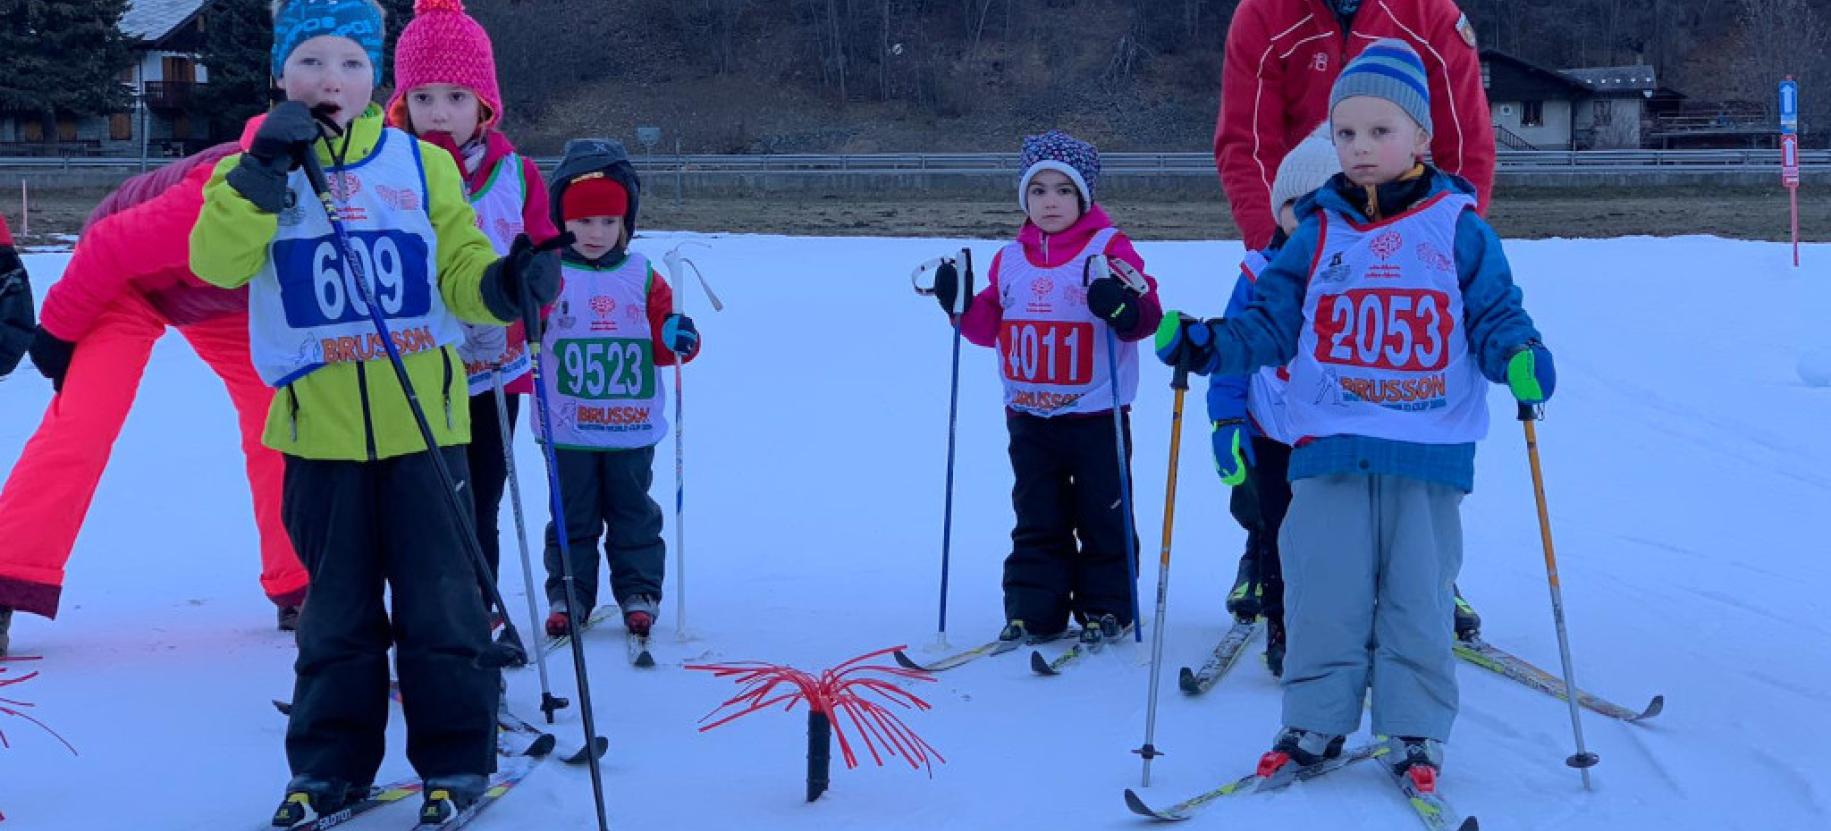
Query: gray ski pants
(1368, 566)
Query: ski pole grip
(1179, 380)
(1531, 412)
(966, 283)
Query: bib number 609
(334, 282)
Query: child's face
(444, 108)
(1052, 201)
(332, 71)
(1375, 140)
(1287, 218)
(597, 235)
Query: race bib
(606, 368)
(317, 288)
(1049, 352)
(1403, 329)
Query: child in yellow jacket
(361, 499)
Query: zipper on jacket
(368, 421)
(292, 415)
(446, 354)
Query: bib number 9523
(1395, 329)
(318, 288)
(606, 368)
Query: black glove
(947, 288)
(16, 318)
(52, 357)
(525, 279)
(277, 147)
(680, 335)
(1184, 341)
(1111, 300)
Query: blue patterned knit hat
(297, 21)
(1063, 153)
(1388, 69)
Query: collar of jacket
(1051, 250)
(611, 261)
(1350, 200)
(496, 147)
(1376, 202)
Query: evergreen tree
(238, 37)
(62, 58)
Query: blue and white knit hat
(297, 21)
(1388, 69)
(1063, 153)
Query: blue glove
(679, 335)
(1232, 451)
(1531, 375)
(1185, 341)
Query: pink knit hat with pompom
(444, 45)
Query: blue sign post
(1789, 106)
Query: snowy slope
(1685, 464)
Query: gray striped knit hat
(1388, 69)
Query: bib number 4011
(1394, 329)
(1047, 352)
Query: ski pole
(961, 298)
(543, 415)
(548, 701)
(1583, 760)
(507, 652)
(673, 259)
(1133, 280)
(1180, 383)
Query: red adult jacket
(1284, 55)
(138, 239)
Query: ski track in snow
(1685, 469)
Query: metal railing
(1113, 164)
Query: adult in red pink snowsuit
(129, 279)
(1282, 59)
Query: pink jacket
(138, 240)
(981, 321)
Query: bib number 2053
(318, 288)
(1047, 352)
(1394, 329)
(603, 368)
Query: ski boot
(6, 627)
(1099, 630)
(309, 797)
(1468, 623)
(556, 623)
(1418, 759)
(1274, 647)
(1243, 599)
(1303, 747)
(447, 796)
(639, 613)
(289, 618)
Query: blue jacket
(1266, 333)
(1227, 393)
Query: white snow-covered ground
(1686, 465)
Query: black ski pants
(361, 528)
(1067, 488)
(489, 471)
(605, 494)
(1269, 478)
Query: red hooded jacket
(138, 239)
(1284, 55)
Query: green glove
(1232, 451)
(1530, 374)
